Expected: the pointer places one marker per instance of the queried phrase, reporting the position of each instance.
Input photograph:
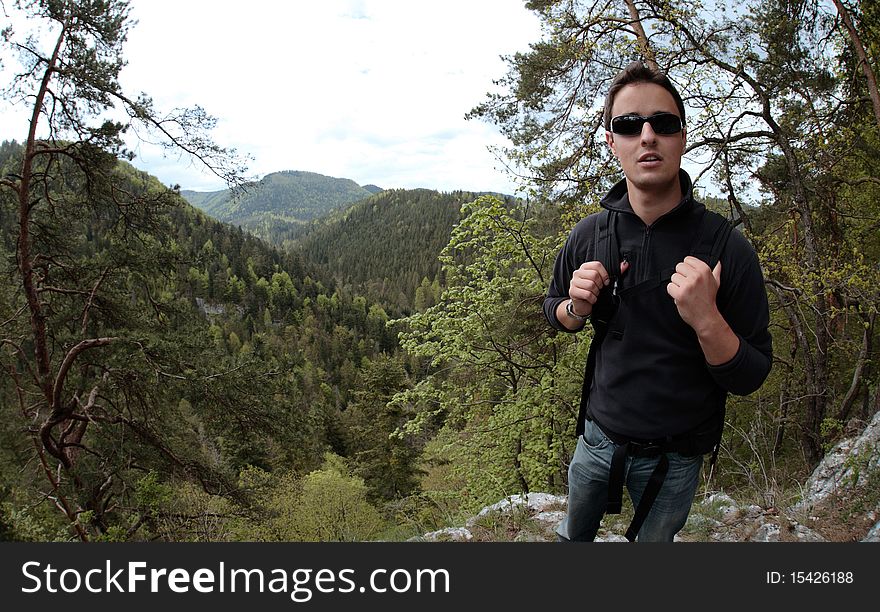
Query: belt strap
(616, 478)
(652, 489)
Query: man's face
(650, 161)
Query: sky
(370, 90)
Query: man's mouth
(649, 157)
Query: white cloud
(375, 91)
(372, 90)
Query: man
(676, 345)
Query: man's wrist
(569, 310)
(718, 341)
(710, 325)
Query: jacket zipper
(646, 264)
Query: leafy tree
(93, 371)
(334, 507)
(385, 461)
(326, 505)
(498, 400)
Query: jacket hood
(618, 198)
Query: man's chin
(654, 181)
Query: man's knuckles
(585, 285)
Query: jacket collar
(617, 198)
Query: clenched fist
(694, 286)
(586, 284)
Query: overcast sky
(371, 90)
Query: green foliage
(326, 505)
(501, 386)
(385, 247)
(830, 430)
(25, 524)
(334, 506)
(207, 379)
(385, 461)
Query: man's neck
(652, 204)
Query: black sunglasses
(661, 123)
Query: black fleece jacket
(653, 380)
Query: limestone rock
(838, 468)
(535, 503)
(449, 534)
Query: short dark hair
(637, 72)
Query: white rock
(725, 504)
(454, 534)
(833, 471)
(754, 511)
(552, 518)
(768, 532)
(535, 502)
(611, 537)
(805, 534)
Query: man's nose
(648, 134)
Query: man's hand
(586, 283)
(694, 288)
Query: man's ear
(609, 139)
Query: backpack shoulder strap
(712, 237)
(605, 246)
(605, 250)
(714, 232)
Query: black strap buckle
(646, 449)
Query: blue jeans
(588, 490)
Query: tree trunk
(644, 46)
(859, 47)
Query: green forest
(384, 368)
(276, 207)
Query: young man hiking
(680, 315)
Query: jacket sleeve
(570, 257)
(743, 304)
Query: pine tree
(86, 348)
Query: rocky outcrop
(528, 517)
(719, 518)
(841, 470)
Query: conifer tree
(89, 362)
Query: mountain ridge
(288, 197)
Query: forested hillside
(275, 207)
(383, 247)
(386, 247)
(223, 352)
